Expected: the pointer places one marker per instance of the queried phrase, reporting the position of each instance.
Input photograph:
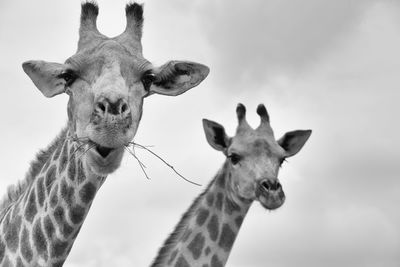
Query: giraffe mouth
(105, 160)
(103, 151)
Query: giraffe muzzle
(270, 194)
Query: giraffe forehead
(255, 144)
(98, 61)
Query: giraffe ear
(47, 76)
(215, 134)
(293, 141)
(176, 77)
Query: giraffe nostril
(124, 108)
(271, 185)
(101, 106)
(265, 185)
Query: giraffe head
(254, 157)
(107, 80)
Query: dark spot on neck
(215, 261)
(58, 248)
(202, 216)
(196, 246)
(39, 239)
(30, 208)
(87, 192)
(182, 262)
(227, 238)
(40, 191)
(26, 250)
(213, 227)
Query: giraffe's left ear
(48, 77)
(176, 77)
(293, 141)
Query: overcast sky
(330, 66)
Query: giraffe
(206, 232)
(106, 80)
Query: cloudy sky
(331, 66)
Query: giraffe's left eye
(147, 79)
(69, 76)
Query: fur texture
(179, 228)
(15, 191)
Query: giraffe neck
(207, 231)
(40, 227)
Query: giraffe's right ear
(48, 77)
(216, 136)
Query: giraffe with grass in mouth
(106, 80)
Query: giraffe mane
(14, 192)
(179, 228)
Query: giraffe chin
(272, 200)
(105, 160)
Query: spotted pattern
(54, 196)
(186, 235)
(39, 240)
(67, 192)
(50, 177)
(19, 262)
(11, 236)
(81, 173)
(239, 220)
(59, 216)
(221, 182)
(41, 195)
(207, 251)
(30, 209)
(26, 250)
(72, 166)
(210, 199)
(63, 158)
(196, 245)
(202, 216)
(77, 214)
(215, 261)
(2, 250)
(48, 227)
(227, 237)
(87, 192)
(181, 262)
(58, 249)
(59, 263)
(213, 227)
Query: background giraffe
(106, 80)
(207, 231)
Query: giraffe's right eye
(234, 158)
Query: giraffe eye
(69, 77)
(234, 158)
(147, 80)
